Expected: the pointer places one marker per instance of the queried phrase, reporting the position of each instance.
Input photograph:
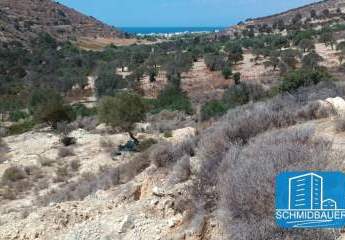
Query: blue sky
(179, 13)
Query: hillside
(178, 139)
(313, 15)
(22, 20)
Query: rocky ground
(141, 205)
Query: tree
(107, 84)
(122, 111)
(227, 72)
(311, 60)
(296, 19)
(152, 71)
(289, 57)
(303, 77)
(235, 52)
(306, 45)
(48, 107)
(236, 95)
(327, 38)
(273, 60)
(313, 13)
(341, 46)
(215, 62)
(341, 54)
(326, 13)
(279, 24)
(237, 78)
(214, 108)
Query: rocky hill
(21, 20)
(312, 14)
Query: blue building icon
(310, 199)
(306, 192)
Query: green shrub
(215, 62)
(168, 134)
(237, 77)
(82, 111)
(227, 72)
(172, 99)
(41, 96)
(213, 108)
(48, 107)
(303, 77)
(20, 128)
(236, 95)
(18, 115)
(54, 112)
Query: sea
(169, 30)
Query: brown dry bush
(75, 165)
(166, 154)
(3, 150)
(166, 121)
(340, 124)
(238, 126)
(65, 152)
(250, 170)
(181, 170)
(13, 174)
(17, 180)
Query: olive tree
(122, 111)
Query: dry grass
(250, 170)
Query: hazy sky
(179, 13)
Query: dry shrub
(146, 144)
(61, 174)
(46, 162)
(17, 180)
(8, 193)
(340, 124)
(13, 174)
(166, 121)
(238, 126)
(316, 110)
(3, 150)
(107, 144)
(166, 154)
(181, 170)
(75, 165)
(87, 123)
(34, 172)
(247, 180)
(65, 152)
(68, 141)
(90, 183)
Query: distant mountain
(22, 20)
(326, 11)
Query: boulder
(338, 105)
(182, 134)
